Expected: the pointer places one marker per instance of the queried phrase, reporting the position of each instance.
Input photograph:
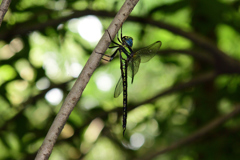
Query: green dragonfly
(129, 65)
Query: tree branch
(224, 63)
(196, 81)
(75, 93)
(197, 55)
(3, 9)
(193, 137)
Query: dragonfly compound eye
(128, 40)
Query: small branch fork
(79, 86)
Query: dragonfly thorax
(126, 40)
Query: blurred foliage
(41, 54)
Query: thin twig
(193, 137)
(75, 93)
(3, 9)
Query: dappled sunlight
(54, 96)
(189, 88)
(17, 91)
(27, 73)
(105, 149)
(178, 119)
(72, 25)
(60, 64)
(90, 28)
(139, 114)
(89, 102)
(43, 83)
(225, 106)
(37, 38)
(91, 134)
(6, 52)
(225, 41)
(25, 70)
(137, 140)
(104, 82)
(16, 45)
(74, 69)
(67, 131)
(57, 5)
(9, 50)
(51, 66)
(7, 72)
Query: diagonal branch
(79, 86)
(193, 137)
(3, 9)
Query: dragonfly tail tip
(124, 129)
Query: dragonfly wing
(119, 88)
(133, 66)
(148, 52)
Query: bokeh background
(192, 81)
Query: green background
(35, 34)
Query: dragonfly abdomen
(124, 64)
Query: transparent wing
(119, 88)
(148, 52)
(141, 56)
(133, 66)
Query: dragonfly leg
(113, 47)
(121, 33)
(111, 57)
(111, 39)
(104, 55)
(119, 40)
(124, 129)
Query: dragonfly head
(127, 41)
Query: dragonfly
(129, 64)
